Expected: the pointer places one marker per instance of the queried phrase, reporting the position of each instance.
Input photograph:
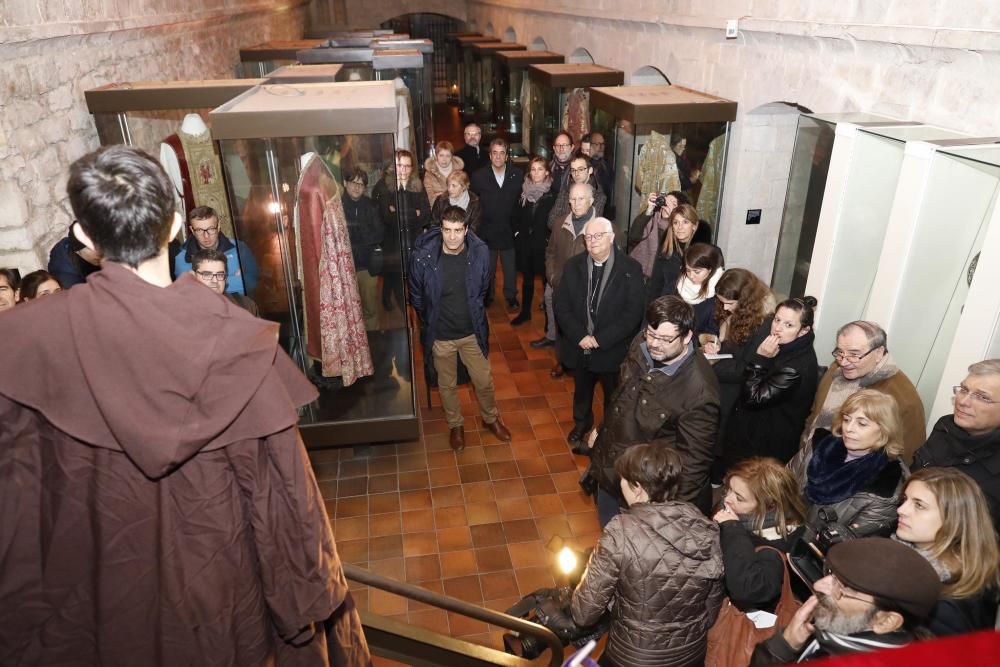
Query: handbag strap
(786, 582)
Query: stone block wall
(52, 51)
(930, 62)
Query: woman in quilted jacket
(658, 567)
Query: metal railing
(417, 646)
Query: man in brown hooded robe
(157, 506)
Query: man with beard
(471, 154)
(876, 595)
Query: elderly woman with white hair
(598, 306)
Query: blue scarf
(831, 479)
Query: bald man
(598, 306)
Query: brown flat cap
(889, 570)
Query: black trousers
(584, 383)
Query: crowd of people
(743, 489)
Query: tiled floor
(482, 525)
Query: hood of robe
(157, 373)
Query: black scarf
(191, 246)
(797, 344)
(832, 478)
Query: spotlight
(568, 561)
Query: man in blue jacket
(449, 276)
(203, 223)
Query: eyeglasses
(978, 396)
(212, 277)
(580, 170)
(208, 231)
(851, 357)
(596, 143)
(562, 145)
(595, 237)
(660, 339)
(837, 590)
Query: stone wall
(935, 63)
(52, 51)
(371, 13)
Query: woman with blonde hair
(458, 194)
(762, 507)
(944, 516)
(853, 477)
(438, 168)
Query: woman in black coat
(457, 194)
(684, 230)
(531, 231)
(779, 386)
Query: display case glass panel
(258, 61)
(327, 268)
(466, 69)
(297, 73)
(511, 91)
(364, 40)
(355, 63)
(647, 121)
(453, 57)
(170, 120)
(406, 68)
(420, 83)
(486, 71)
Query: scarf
(943, 572)
(688, 291)
(581, 222)
(842, 388)
(645, 251)
(444, 171)
(532, 192)
(864, 642)
(191, 246)
(831, 479)
(462, 201)
(609, 264)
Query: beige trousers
(446, 354)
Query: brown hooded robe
(157, 506)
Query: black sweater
(753, 578)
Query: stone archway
(490, 31)
(510, 35)
(648, 75)
(581, 55)
(538, 44)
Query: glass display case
(414, 96)
(365, 40)
(324, 276)
(647, 122)
(356, 63)
(484, 80)
(453, 56)
(466, 69)
(558, 99)
(320, 32)
(170, 120)
(510, 89)
(297, 73)
(804, 196)
(256, 61)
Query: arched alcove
(473, 25)
(510, 35)
(581, 56)
(648, 75)
(490, 31)
(538, 44)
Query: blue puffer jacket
(240, 264)
(425, 285)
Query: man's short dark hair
(202, 213)
(672, 309)
(356, 174)
(455, 214)
(124, 201)
(563, 133)
(656, 468)
(499, 141)
(202, 255)
(13, 278)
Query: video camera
(550, 607)
(808, 553)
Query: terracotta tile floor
(482, 525)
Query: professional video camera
(549, 607)
(809, 551)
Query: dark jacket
(404, 225)
(774, 401)
(949, 445)
(67, 267)
(954, 616)
(662, 566)
(619, 313)
(425, 285)
(776, 651)
(603, 173)
(872, 509)
(474, 157)
(666, 270)
(167, 514)
(729, 372)
(703, 234)
(498, 204)
(754, 576)
(473, 214)
(561, 208)
(563, 243)
(679, 410)
(365, 228)
(531, 233)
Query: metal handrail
(506, 621)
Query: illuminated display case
(414, 94)
(466, 69)
(319, 275)
(557, 98)
(647, 122)
(484, 80)
(510, 87)
(453, 56)
(257, 61)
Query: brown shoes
(498, 429)
(557, 371)
(457, 438)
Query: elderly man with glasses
(203, 223)
(862, 361)
(667, 395)
(969, 439)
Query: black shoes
(512, 304)
(542, 342)
(521, 319)
(576, 435)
